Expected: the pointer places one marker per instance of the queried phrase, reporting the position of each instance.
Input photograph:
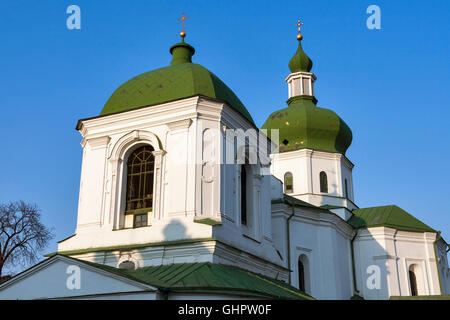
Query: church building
(182, 196)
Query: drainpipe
(289, 243)
(355, 287)
(438, 237)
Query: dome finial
(182, 33)
(300, 61)
(299, 25)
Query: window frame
(288, 175)
(143, 174)
(323, 178)
(135, 216)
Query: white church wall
(191, 185)
(306, 166)
(64, 278)
(444, 270)
(324, 239)
(394, 253)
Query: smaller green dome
(303, 125)
(300, 61)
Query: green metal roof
(387, 216)
(210, 278)
(303, 125)
(182, 79)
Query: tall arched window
(323, 182)
(413, 283)
(301, 275)
(139, 194)
(416, 280)
(243, 195)
(288, 183)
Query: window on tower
(139, 195)
(288, 183)
(323, 182)
(243, 195)
(346, 188)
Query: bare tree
(22, 235)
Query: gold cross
(182, 27)
(299, 25)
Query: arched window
(243, 195)
(413, 283)
(301, 275)
(346, 188)
(139, 194)
(323, 182)
(288, 183)
(416, 280)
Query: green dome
(303, 125)
(182, 79)
(300, 61)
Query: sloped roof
(296, 202)
(208, 277)
(388, 216)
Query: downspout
(438, 237)
(355, 287)
(289, 243)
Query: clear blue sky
(391, 86)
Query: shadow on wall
(372, 267)
(371, 272)
(131, 258)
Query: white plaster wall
(394, 252)
(444, 270)
(193, 182)
(306, 165)
(325, 240)
(50, 282)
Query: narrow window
(288, 183)
(243, 196)
(413, 283)
(323, 182)
(139, 194)
(346, 188)
(301, 275)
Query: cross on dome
(182, 19)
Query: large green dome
(182, 79)
(303, 125)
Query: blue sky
(391, 86)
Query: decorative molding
(119, 148)
(98, 143)
(179, 125)
(303, 249)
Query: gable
(58, 277)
